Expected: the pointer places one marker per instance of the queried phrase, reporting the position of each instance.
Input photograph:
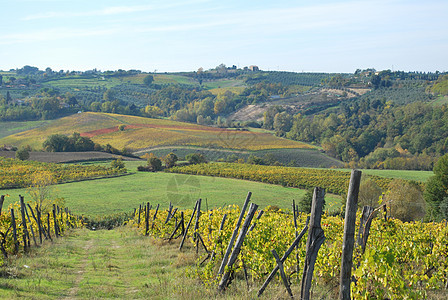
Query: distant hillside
(141, 133)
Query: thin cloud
(53, 34)
(108, 11)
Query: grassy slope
(112, 195)
(146, 132)
(9, 128)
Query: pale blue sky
(175, 35)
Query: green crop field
(112, 195)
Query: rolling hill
(141, 133)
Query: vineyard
(142, 133)
(17, 174)
(332, 180)
(389, 268)
(393, 268)
(23, 225)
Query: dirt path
(87, 264)
(80, 273)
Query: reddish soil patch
(91, 134)
(97, 132)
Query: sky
(171, 36)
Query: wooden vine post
(147, 219)
(364, 226)
(284, 257)
(239, 242)
(55, 221)
(2, 199)
(188, 226)
(14, 231)
(315, 239)
(234, 234)
(349, 235)
(25, 229)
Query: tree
(306, 201)
(148, 80)
(405, 200)
(170, 160)
(437, 188)
(282, 122)
(22, 154)
(121, 127)
(154, 163)
(8, 98)
(195, 158)
(56, 143)
(41, 191)
(369, 193)
(109, 95)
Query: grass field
(400, 174)
(143, 133)
(113, 195)
(8, 128)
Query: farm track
(85, 265)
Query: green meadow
(122, 194)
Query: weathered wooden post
(315, 239)
(282, 273)
(349, 235)
(37, 222)
(2, 199)
(364, 226)
(188, 226)
(48, 226)
(239, 242)
(234, 234)
(139, 213)
(260, 213)
(31, 227)
(26, 242)
(221, 226)
(196, 226)
(55, 221)
(284, 257)
(147, 219)
(14, 231)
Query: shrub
(118, 164)
(22, 154)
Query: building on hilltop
(254, 68)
